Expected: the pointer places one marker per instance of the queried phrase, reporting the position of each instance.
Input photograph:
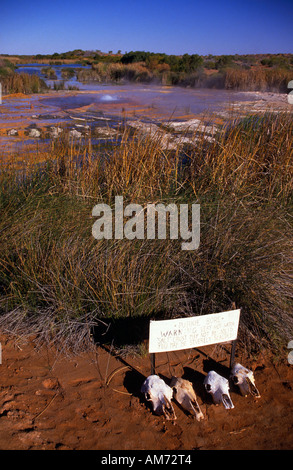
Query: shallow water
(158, 101)
(78, 101)
(37, 68)
(163, 102)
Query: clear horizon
(193, 27)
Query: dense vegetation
(19, 82)
(267, 72)
(185, 62)
(56, 280)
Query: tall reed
(22, 83)
(258, 79)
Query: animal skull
(218, 387)
(186, 397)
(160, 394)
(244, 378)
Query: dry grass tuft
(56, 279)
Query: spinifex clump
(57, 280)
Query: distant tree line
(185, 63)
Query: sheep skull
(160, 394)
(186, 397)
(218, 387)
(244, 378)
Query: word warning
(192, 332)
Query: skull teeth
(197, 411)
(252, 388)
(168, 409)
(227, 402)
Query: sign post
(193, 332)
(153, 363)
(232, 357)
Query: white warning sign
(192, 332)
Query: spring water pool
(159, 102)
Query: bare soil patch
(93, 402)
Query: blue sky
(174, 27)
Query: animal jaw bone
(186, 397)
(160, 394)
(218, 387)
(244, 378)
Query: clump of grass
(258, 79)
(49, 73)
(111, 72)
(59, 85)
(6, 68)
(59, 280)
(67, 73)
(22, 83)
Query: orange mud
(93, 401)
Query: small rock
(75, 133)
(55, 131)
(34, 133)
(50, 384)
(45, 393)
(12, 132)
(82, 125)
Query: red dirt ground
(93, 401)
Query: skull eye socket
(235, 379)
(208, 387)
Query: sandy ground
(92, 401)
